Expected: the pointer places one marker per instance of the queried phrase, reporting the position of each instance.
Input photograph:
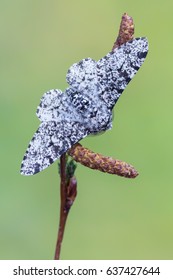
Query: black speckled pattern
(85, 107)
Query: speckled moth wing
(118, 67)
(49, 142)
(82, 73)
(60, 128)
(53, 106)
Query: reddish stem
(63, 210)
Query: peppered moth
(85, 107)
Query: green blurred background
(113, 217)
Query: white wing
(49, 142)
(118, 67)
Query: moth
(85, 107)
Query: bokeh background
(113, 217)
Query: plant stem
(63, 210)
(68, 184)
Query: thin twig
(63, 211)
(68, 193)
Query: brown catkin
(126, 31)
(99, 162)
